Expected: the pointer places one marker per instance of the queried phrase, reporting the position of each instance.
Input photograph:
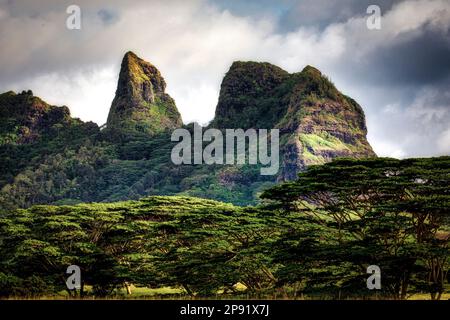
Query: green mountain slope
(317, 123)
(48, 157)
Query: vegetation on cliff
(141, 104)
(317, 123)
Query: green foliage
(313, 237)
(386, 212)
(171, 241)
(322, 141)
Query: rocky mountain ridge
(316, 121)
(49, 157)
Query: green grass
(322, 141)
(141, 293)
(426, 296)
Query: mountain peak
(138, 76)
(311, 69)
(141, 103)
(317, 122)
(130, 54)
(244, 84)
(264, 73)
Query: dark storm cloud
(254, 7)
(321, 13)
(415, 58)
(292, 14)
(421, 127)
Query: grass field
(169, 293)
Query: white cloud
(388, 149)
(392, 108)
(89, 93)
(444, 142)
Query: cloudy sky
(400, 74)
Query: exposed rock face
(141, 104)
(317, 123)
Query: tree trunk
(185, 286)
(128, 287)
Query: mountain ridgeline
(49, 157)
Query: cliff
(140, 103)
(317, 123)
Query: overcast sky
(400, 74)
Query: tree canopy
(314, 237)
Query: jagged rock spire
(140, 103)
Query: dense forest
(310, 238)
(65, 169)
